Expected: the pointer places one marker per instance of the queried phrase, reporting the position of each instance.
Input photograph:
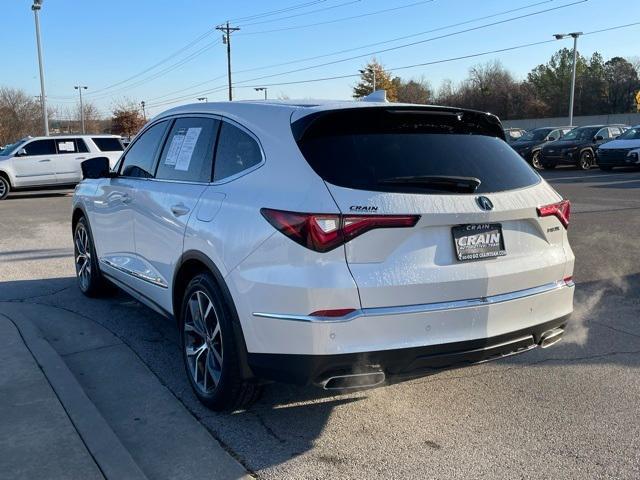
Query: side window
(236, 152)
(41, 147)
(140, 158)
(554, 135)
(188, 151)
(66, 145)
(614, 131)
(603, 132)
(81, 146)
(108, 144)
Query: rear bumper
(406, 362)
(403, 339)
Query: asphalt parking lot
(571, 411)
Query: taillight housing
(561, 210)
(324, 232)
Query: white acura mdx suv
(336, 244)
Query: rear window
(106, 144)
(369, 149)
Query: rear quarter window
(364, 149)
(106, 144)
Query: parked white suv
(335, 244)
(46, 161)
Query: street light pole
(262, 89)
(144, 112)
(80, 88)
(37, 5)
(575, 35)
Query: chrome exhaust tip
(551, 337)
(354, 381)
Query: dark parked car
(529, 145)
(578, 147)
(624, 151)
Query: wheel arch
(78, 212)
(7, 176)
(190, 264)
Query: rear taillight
(324, 232)
(561, 210)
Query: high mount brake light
(561, 210)
(324, 232)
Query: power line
(310, 12)
(405, 67)
(166, 70)
(404, 37)
(418, 42)
(276, 12)
(343, 19)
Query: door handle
(126, 199)
(81, 158)
(180, 209)
(45, 160)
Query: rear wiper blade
(435, 182)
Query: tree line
(21, 116)
(602, 87)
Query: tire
(90, 279)
(210, 350)
(5, 187)
(586, 160)
(549, 166)
(535, 160)
(606, 168)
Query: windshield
(7, 149)
(411, 152)
(631, 134)
(583, 133)
(537, 134)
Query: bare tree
(92, 117)
(20, 115)
(127, 118)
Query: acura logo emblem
(484, 203)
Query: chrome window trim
(423, 308)
(157, 281)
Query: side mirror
(21, 153)
(597, 138)
(551, 139)
(96, 168)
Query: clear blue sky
(100, 43)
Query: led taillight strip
(325, 232)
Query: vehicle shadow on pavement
(290, 421)
(27, 194)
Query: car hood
(565, 144)
(621, 144)
(4, 157)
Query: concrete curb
(110, 455)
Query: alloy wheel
(535, 161)
(3, 188)
(203, 342)
(83, 256)
(586, 160)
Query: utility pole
(144, 112)
(575, 35)
(80, 88)
(37, 5)
(226, 39)
(262, 89)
